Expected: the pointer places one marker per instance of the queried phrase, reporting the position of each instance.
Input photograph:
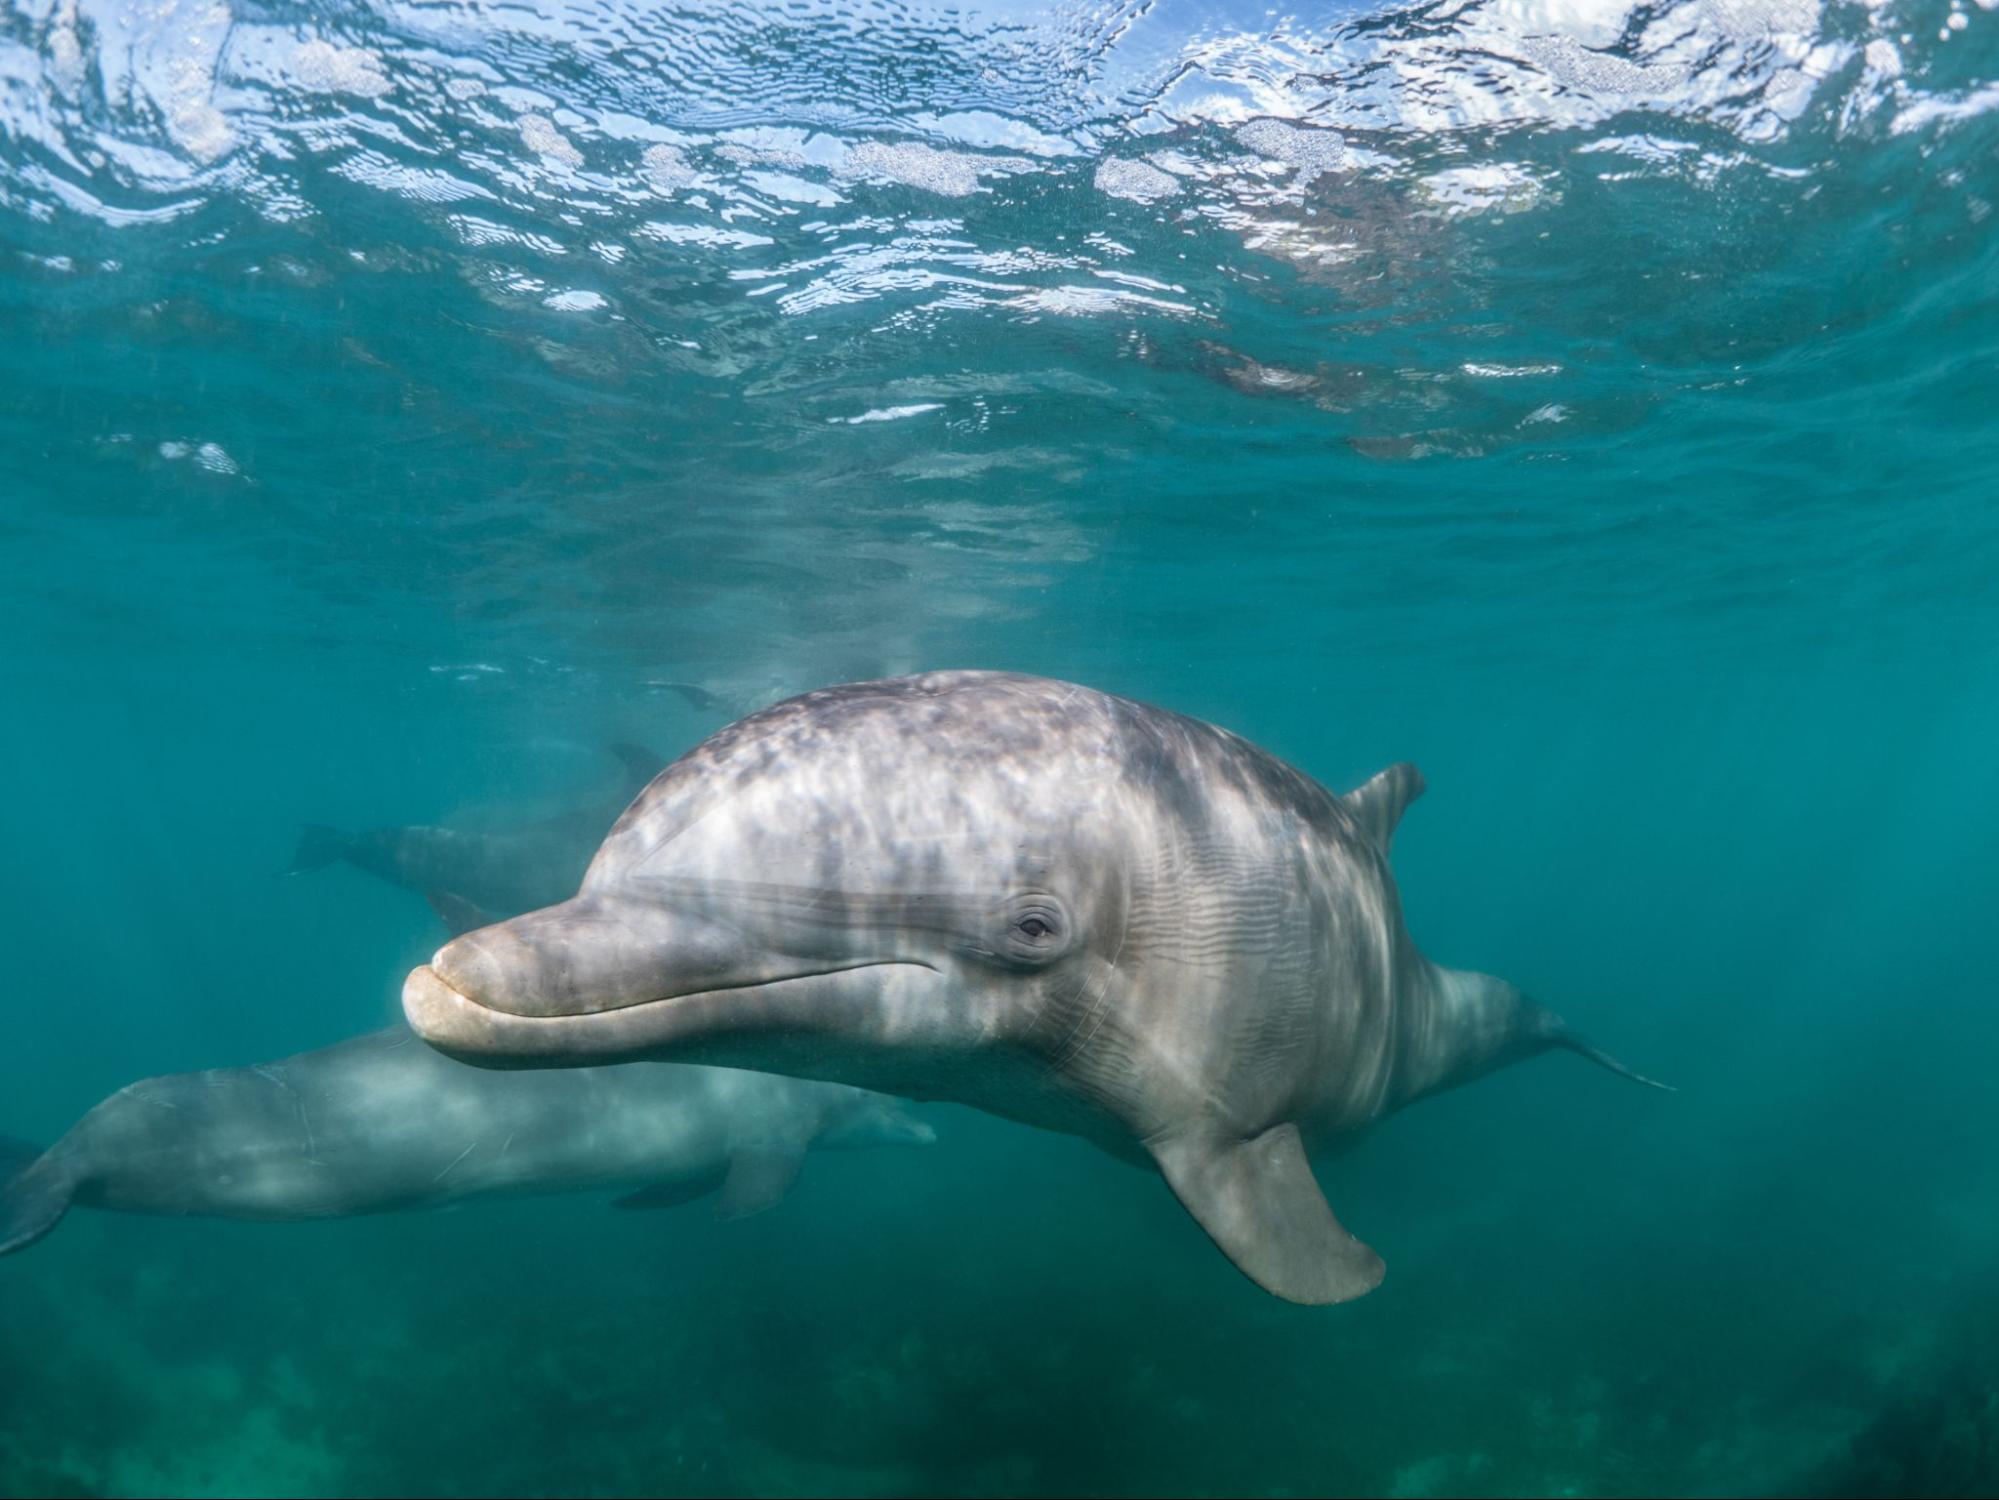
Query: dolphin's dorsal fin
(640, 764)
(1378, 804)
(1261, 1205)
(759, 1177)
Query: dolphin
(473, 878)
(383, 1122)
(1057, 905)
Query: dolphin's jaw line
(682, 995)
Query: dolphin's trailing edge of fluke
(1553, 1031)
(1604, 1060)
(34, 1194)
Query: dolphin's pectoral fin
(457, 914)
(759, 1177)
(1378, 803)
(671, 1194)
(1261, 1205)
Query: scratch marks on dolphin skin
(146, 1097)
(273, 1073)
(454, 1163)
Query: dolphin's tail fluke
(1604, 1060)
(34, 1193)
(1553, 1031)
(318, 847)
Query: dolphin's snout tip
(471, 966)
(429, 1005)
(547, 963)
(450, 1021)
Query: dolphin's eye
(1036, 929)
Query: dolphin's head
(857, 885)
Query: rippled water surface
(400, 403)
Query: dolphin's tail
(1552, 1031)
(318, 847)
(34, 1193)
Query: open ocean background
(1593, 403)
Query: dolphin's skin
(472, 878)
(1027, 896)
(383, 1122)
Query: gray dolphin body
(383, 1122)
(1050, 903)
(472, 877)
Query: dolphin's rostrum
(1028, 896)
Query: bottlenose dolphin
(1041, 900)
(383, 1122)
(472, 878)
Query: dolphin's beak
(599, 979)
(581, 956)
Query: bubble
(551, 145)
(1312, 151)
(340, 70)
(1141, 182)
(913, 165)
(667, 168)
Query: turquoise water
(402, 403)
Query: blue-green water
(1595, 404)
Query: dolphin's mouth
(613, 1002)
(463, 1027)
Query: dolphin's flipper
(640, 764)
(759, 1177)
(1378, 804)
(1261, 1205)
(671, 1194)
(34, 1193)
(457, 914)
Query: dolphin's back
(1007, 734)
